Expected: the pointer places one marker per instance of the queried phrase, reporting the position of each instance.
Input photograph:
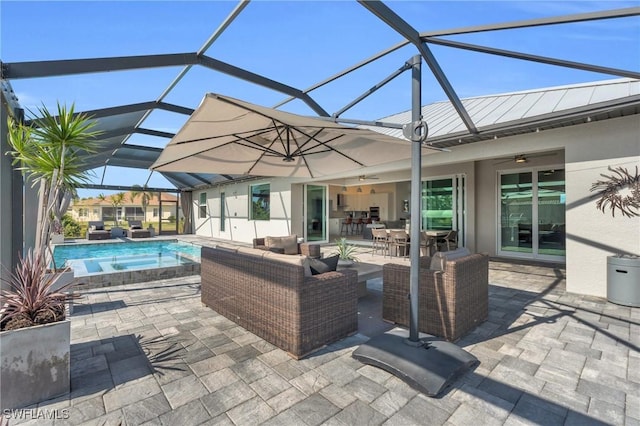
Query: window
(156, 212)
(109, 214)
(260, 202)
(133, 213)
(82, 212)
(223, 215)
(202, 211)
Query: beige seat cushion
(438, 259)
(288, 243)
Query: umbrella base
(430, 366)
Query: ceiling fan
(524, 158)
(365, 177)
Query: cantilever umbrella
(230, 136)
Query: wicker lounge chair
(96, 231)
(136, 230)
(270, 295)
(451, 301)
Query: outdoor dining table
(436, 233)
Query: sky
(299, 43)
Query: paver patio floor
(151, 353)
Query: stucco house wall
(238, 226)
(591, 234)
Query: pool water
(88, 259)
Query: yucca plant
(31, 297)
(50, 151)
(345, 251)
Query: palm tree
(145, 198)
(116, 200)
(50, 151)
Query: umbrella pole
(425, 363)
(416, 195)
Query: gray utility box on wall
(623, 280)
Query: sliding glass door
(532, 214)
(316, 212)
(443, 204)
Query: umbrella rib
(258, 132)
(330, 148)
(264, 152)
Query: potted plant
(49, 151)
(346, 252)
(35, 336)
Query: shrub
(71, 227)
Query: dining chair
(427, 244)
(380, 241)
(399, 240)
(450, 240)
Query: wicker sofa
(271, 295)
(305, 249)
(451, 301)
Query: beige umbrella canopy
(229, 136)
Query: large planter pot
(35, 364)
(57, 238)
(346, 263)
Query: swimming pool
(111, 258)
(62, 253)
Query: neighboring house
(91, 209)
(522, 194)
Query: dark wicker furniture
(268, 294)
(98, 233)
(451, 302)
(136, 231)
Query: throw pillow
(273, 242)
(308, 271)
(330, 262)
(318, 266)
(290, 244)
